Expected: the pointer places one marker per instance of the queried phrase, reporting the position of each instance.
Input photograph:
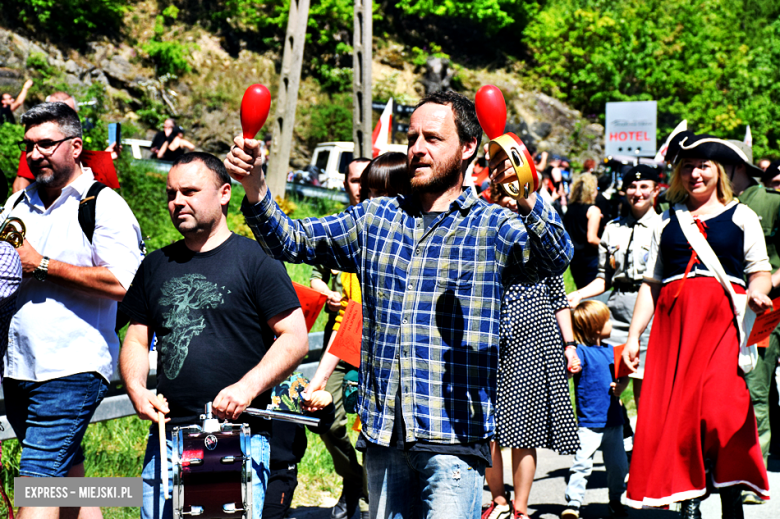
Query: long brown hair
(588, 319)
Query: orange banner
(346, 345)
(764, 325)
(311, 303)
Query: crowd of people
(468, 340)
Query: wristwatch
(42, 271)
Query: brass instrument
(12, 231)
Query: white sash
(745, 317)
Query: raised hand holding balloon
(255, 106)
(491, 112)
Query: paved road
(547, 500)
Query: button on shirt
(628, 240)
(59, 331)
(439, 338)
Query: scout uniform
(623, 252)
(766, 204)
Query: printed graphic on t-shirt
(185, 296)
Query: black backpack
(87, 222)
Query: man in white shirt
(61, 344)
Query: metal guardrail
(308, 191)
(117, 404)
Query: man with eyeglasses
(62, 345)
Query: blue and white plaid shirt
(10, 279)
(431, 300)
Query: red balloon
(254, 110)
(491, 110)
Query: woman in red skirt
(696, 429)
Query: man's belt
(627, 286)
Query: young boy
(598, 410)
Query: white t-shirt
(59, 331)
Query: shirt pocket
(460, 281)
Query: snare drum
(212, 472)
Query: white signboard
(631, 128)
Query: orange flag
(311, 303)
(349, 336)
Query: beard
(51, 176)
(443, 176)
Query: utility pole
(361, 79)
(287, 97)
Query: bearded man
(62, 345)
(432, 266)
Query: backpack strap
(87, 209)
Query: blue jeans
(50, 419)
(610, 439)
(423, 484)
(155, 505)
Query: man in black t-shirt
(215, 301)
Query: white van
(332, 158)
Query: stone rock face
(438, 74)
(206, 101)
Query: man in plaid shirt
(432, 267)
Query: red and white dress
(695, 417)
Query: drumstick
(163, 447)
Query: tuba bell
(12, 231)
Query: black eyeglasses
(46, 147)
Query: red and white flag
(381, 135)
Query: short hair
(589, 165)
(358, 160)
(464, 113)
(387, 174)
(210, 161)
(587, 320)
(677, 193)
(66, 118)
(583, 189)
(482, 162)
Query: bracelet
(570, 344)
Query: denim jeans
(155, 506)
(407, 485)
(610, 439)
(50, 419)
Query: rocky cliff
(205, 101)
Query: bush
(68, 21)
(330, 120)
(10, 134)
(169, 57)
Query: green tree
(705, 61)
(70, 20)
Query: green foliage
(493, 14)
(169, 57)
(10, 134)
(154, 113)
(420, 56)
(330, 120)
(69, 21)
(709, 62)
(38, 62)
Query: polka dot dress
(533, 405)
